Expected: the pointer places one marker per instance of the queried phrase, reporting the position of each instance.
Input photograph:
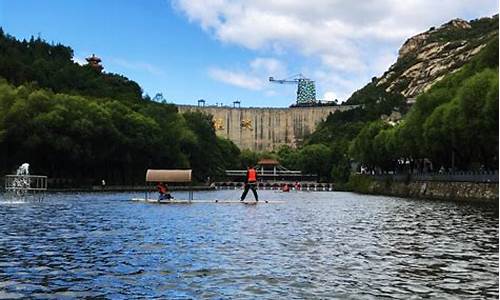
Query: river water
(316, 245)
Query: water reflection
(317, 245)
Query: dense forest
(76, 123)
(452, 126)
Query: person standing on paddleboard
(250, 183)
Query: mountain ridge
(427, 57)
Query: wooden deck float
(180, 201)
(183, 176)
(153, 175)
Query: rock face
(427, 57)
(413, 43)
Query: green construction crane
(306, 89)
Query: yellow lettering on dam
(265, 129)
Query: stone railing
(466, 176)
(263, 172)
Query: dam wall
(265, 129)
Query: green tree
(205, 155)
(248, 158)
(364, 149)
(230, 153)
(316, 159)
(289, 157)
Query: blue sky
(222, 50)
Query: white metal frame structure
(24, 185)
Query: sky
(225, 50)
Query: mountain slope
(426, 58)
(51, 66)
(454, 122)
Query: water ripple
(316, 246)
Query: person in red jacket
(250, 183)
(163, 191)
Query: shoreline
(98, 189)
(476, 192)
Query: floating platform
(180, 201)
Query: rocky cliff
(427, 57)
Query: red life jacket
(162, 189)
(252, 175)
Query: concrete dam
(265, 129)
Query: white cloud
(329, 96)
(239, 79)
(79, 60)
(253, 77)
(345, 37)
(137, 66)
(270, 66)
(383, 62)
(336, 83)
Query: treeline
(88, 139)
(453, 126)
(69, 121)
(311, 159)
(51, 66)
(72, 122)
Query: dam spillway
(265, 129)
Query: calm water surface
(317, 245)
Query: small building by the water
(269, 169)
